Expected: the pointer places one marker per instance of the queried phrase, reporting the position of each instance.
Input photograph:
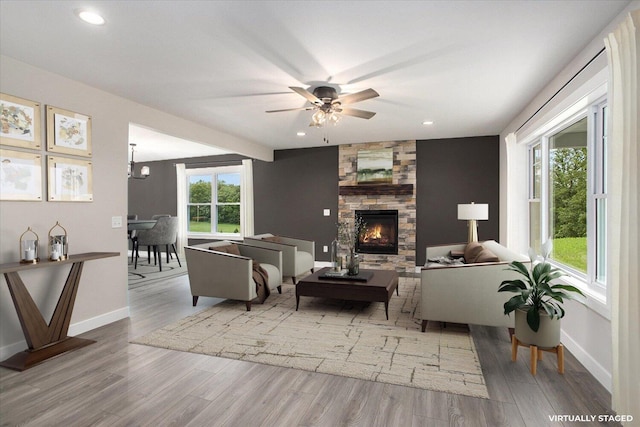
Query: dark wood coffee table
(379, 287)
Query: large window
(213, 205)
(567, 194)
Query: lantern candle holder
(29, 248)
(58, 244)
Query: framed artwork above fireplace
(375, 166)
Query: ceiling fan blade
(362, 114)
(290, 109)
(308, 95)
(357, 97)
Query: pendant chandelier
(131, 171)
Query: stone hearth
(404, 174)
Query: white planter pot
(548, 335)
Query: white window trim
(212, 171)
(587, 94)
(597, 294)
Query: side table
(46, 340)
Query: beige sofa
(467, 293)
(225, 275)
(298, 256)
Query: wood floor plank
(266, 397)
(533, 405)
(466, 411)
(362, 396)
(159, 402)
(332, 401)
(396, 407)
(56, 405)
(431, 404)
(494, 350)
(501, 414)
(288, 409)
(113, 383)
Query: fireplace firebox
(381, 232)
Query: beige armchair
(225, 275)
(298, 256)
(467, 293)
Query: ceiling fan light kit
(328, 105)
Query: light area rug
(146, 273)
(345, 338)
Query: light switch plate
(325, 249)
(116, 222)
(327, 212)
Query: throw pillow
(486, 256)
(472, 251)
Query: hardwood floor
(114, 383)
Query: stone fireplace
(381, 232)
(399, 196)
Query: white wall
(586, 328)
(102, 296)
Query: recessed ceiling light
(301, 134)
(90, 17)
(427, 122)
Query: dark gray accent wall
(450, 172)
(157, 193)
(291, 193)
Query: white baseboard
(597, 370)
(74, 329)
(95, 322)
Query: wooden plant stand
(536, 354)
(46, 340)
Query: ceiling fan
(329, 107)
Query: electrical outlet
(116, 222)
(325, 249)
(327, 212)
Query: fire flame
(373, 233)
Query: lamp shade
(472, 211)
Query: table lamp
(473, 212)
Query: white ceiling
(152, 145)
(468, 66)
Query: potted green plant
(538, 302)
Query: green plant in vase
(536, 296)
(348, 235)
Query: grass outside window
(571, 251)
(205, 227)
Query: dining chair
(132, 235)
(163, 233)
(155, 217)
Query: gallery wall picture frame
(19, 122)
(375, 166)
(68, 132)
(69, 179)
(20, 175)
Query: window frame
(596, 190)
(213, 172)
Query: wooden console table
(46, 341)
